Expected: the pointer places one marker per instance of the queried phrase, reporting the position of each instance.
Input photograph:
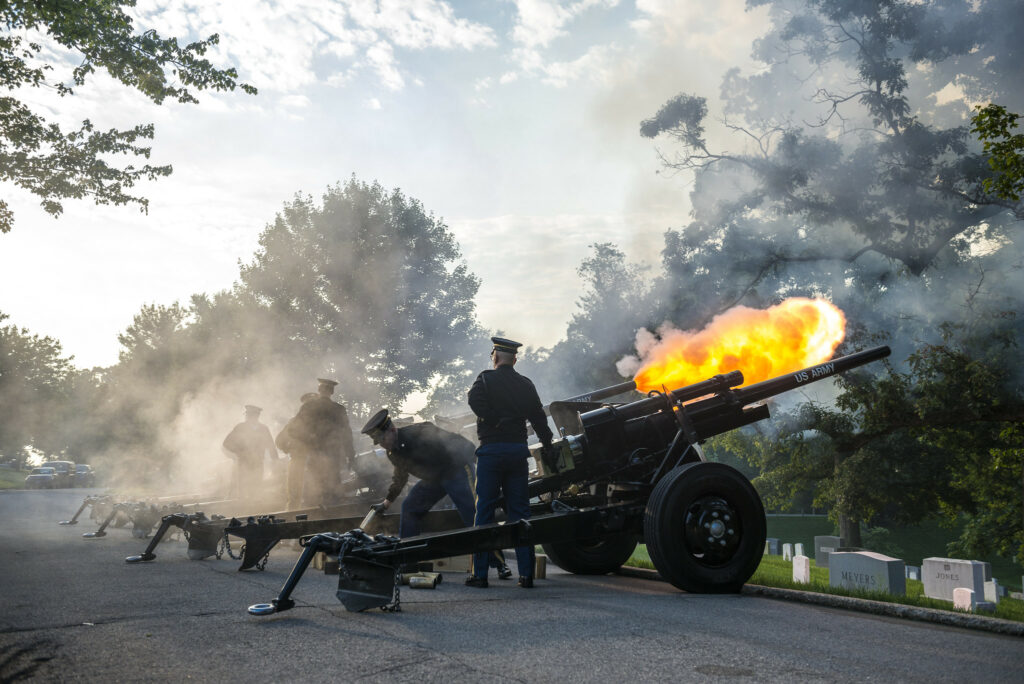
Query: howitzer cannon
(624, 474)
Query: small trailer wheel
(705, 528)
(594, 556)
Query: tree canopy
(851, 178)
(56, 164)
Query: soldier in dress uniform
(503, 400)
(290, 442)
(321, 425)
(444, 463)
(250, 441)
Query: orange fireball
(792, 335)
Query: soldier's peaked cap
(249, 408)
(377, 425)
(505, 345)
(325, 381)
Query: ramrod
(624, 474)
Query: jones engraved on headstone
(867, 570)
(942, 575)
(824, 545)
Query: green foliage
(601, 331)
(34, 378)
(55, 164)
(370, 284)
(994, 127)
(873, 196)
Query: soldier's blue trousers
(458, 486)
(501, 468)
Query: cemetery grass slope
(775, 572)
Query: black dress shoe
(504, 572)
(526, 582)
(478, 582)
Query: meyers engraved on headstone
(801, 569)
(787, 551)
(824, 545)
(942, 575)
(867, 570)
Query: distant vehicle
(85, 476)
(64, 472)
(41, 478)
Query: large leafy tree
(366, 284)
(34, 376)
(56, 164)
(849, 179)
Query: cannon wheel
(594, 556)
(705, 528)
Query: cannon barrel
(604, 392)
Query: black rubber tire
(680, 506)
(593, 556)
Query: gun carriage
(620, 475)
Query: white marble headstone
(942, 575)
(787, 552)
(801, 569)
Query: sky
(516, 122)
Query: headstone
(823, 546)
(963, 599)
(787, 552)
(992, 591)
(773, 546)
(767, 549)
(867, 570)
(801, 569)
(942, 575)
(914, 572)
(988, 570)
(798, 550)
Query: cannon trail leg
(102, 531)
(176, 519)
(321, 542)
(74, 519)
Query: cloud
(278, 45)
(539, 22)
(596, 65)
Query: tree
(34, 377)
(368, 286)
(852, 182)
(609, 311)
(1005, 150)
(55, 164)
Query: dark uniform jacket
(426, 451)
(503, 400)
(250, 441)
(321, 425)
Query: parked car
(41, 478)
(64, 472)
(85, 476)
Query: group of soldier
(476, 479)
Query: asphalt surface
(75, 611)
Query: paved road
(74, 611)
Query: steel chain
(227, 547)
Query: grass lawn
(12, 479)
(775, 572)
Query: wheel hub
(712, 530)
